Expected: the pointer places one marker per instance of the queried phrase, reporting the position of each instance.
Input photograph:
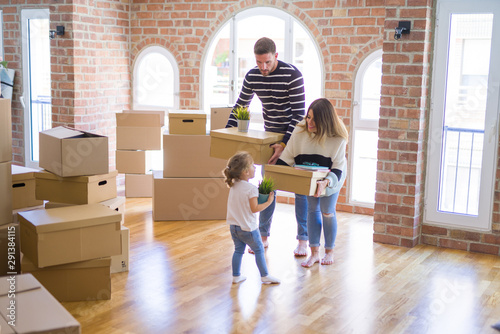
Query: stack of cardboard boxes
(74, 243)
(138, 134)
(35, 309)
(191, 186)
(6, 223)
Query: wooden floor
(180, 282)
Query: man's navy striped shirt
(282, 96)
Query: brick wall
(402, 126)
(89, 64)
(92, 64)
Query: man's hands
(278, 149)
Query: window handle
(21, 98)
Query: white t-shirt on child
(238, 205)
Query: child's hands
(271, 197)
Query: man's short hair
(264, 46)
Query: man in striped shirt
(280, 88)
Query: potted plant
(265, 187)
(242, 115)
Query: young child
(242, 207)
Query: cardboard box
(226, 142)
(187, 122)
(10, 250)
(133, 162)
(23, 187)
(5, 130)
(139, 185)
(120, 263)
(219, 116)
(189, 198)
(117, 204)
(69, 152)
(5, 193)
(78, 281)
(75, 190)
(138, 131)
(36, 310)
(298, 181)
(161, 113)
(189, 156)
(70, 234)
(16, 211)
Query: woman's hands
(320, 188)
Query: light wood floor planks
(180, 282)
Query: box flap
(69, 217)
(37, 311)
(114, 203)
(294, 171)
(22, 283)
(137, 119)
(61, 132)
(43, 174)
(187, 114)
(252, 136)
(23, 173)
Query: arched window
(230, 56)
(364, 131)
(156, 80)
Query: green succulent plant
(242, 113)
(3, 64)
(266, 185)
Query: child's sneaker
(238, 279)
(270, 280)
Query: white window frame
(481, 222)
(27, 14)
(287, 57)
(164, 52)
(359, 123)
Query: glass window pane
(305, 58)
(364, 165)
(155, 77)
(39, 76)
(464, 114)
(249, 31)
(217, 81)
(371, 84)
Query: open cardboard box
(226, 142)
(35, 309)
(69, 152)
(70, 234)
(298, 181)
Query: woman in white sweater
(320, 140)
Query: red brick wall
(90, 65)
(402, 125)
